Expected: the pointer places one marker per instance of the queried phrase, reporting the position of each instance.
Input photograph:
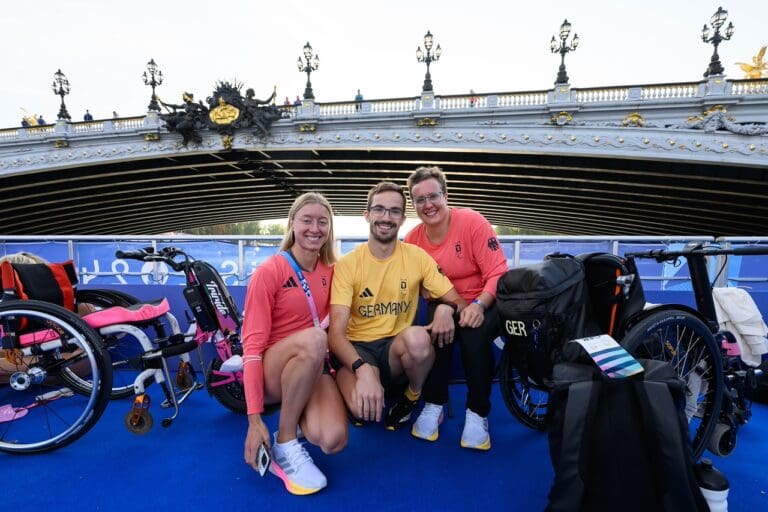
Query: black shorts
(376, 353)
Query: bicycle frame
(695, 256)
(216, 321)
(735, 409)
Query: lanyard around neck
(304, 284)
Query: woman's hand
(472, 316)
(257, 434)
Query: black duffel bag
(542, 306)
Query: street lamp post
(429, 58)
(61, 88)
(312, 63)
(717, 21)
(562, 48)
(153, 79)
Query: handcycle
(141, 337)
(689, 338)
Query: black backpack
(620, 444)
(541, 306)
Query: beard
(384, 239)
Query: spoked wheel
(526, 400)
(231, 396)
(683, 340)
(39, 410)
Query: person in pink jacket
(469, 253)
(285, 346)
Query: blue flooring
(197, 464)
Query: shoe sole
(403, 422)
(432, 437)
(483, 446)
(291, 487)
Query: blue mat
(197, 464)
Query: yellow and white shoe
(426, 425)
(475, 435)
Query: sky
(490, 46)
(103, 47)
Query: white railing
(461, 102)
(339, 109)
(522, 249)
(605, 94)
(486, 102)
(130, 123)
(522, 99)
(89, 127)
(40, 131)
(393, 105)
(669, 91)
(744, 88)
(9, 134)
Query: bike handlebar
(166, 254)
(663, 255)
(130, 255)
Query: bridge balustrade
(619, 96)
(746, 87)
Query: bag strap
(568, 491)
(304, 284)
(8, 280)
(665, 432)
(615, 304)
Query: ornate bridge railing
(714, 90)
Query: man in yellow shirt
(374, 297)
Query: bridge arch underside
(563, 194)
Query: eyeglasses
(379, 211)
(433, 198)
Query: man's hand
(368, 393)
(257, 434)
(442, 328)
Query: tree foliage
(508, 230)
(241, 228)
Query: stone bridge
(657, 159)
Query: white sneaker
(233, 364)
(475, 433)
(426, 425)
(292, 464)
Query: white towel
(738, 313)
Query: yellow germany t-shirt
(383, 294)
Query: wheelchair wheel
(105, 298)
(687, 343)
(39, 411)
(526, 400)
(122, 347)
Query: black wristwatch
(357, 364)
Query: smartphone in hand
(263, 459)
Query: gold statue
(758, 66)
